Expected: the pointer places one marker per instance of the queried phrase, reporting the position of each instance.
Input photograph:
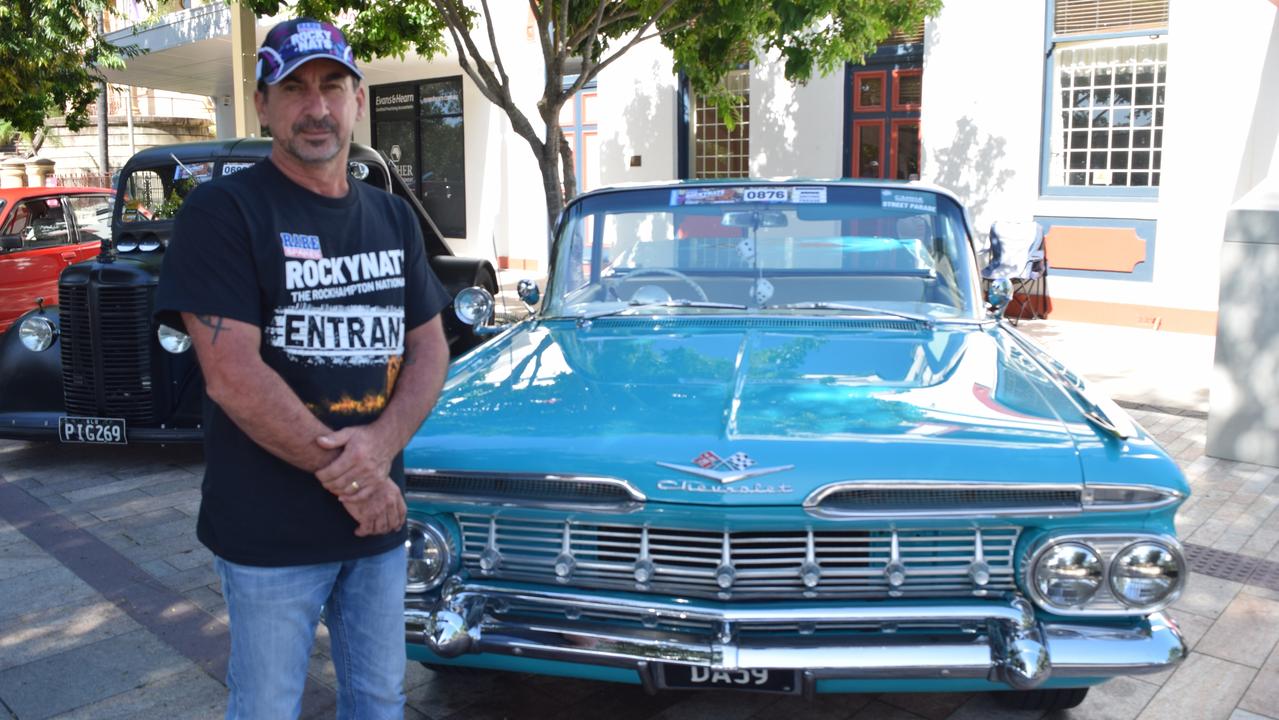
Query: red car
(43, 230)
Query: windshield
(762, 248)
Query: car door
(31, 271)
(92, 216)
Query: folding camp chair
(1017, 254)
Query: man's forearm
(253, 395)
(270, 413)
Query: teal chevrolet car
(773, 436)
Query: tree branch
(543, 31)
(497, 56)
(561, 31)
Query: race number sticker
(905, 200)
(766, 194)
(750, 194)
(235, 167)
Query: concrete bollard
(13, 173)
(39, 171)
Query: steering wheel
(701, 294)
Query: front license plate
(698, 678)
(102, 431)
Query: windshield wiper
(668, 303)
(866, 309)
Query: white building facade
(1127, 128)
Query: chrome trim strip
(1046, 544)
(1098, 409)
(1015, 650)
(487, 499)
(1170, 497)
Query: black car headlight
(172, 339)
(430, 556)
(37, 333)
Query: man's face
(312, 111)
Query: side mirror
(528, 292)
(9, 243)
(474, 306)
(998, 295)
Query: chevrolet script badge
(738, 466)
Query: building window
(717, 151)
(419, 127)
(1109, 65)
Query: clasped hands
(360, 478)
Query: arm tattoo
(214, 323)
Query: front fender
(30, 381)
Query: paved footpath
(109, 607)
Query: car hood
(752, 412)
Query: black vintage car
(95, 366)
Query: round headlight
(37, 333)
(429, 557)
(126, 245)
(149, 243)
(473, 306)
(1068, 575)
(1146, 574)
(173, 340)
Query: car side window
(39, 222)
(92, 216)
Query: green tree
(708, 38)
(49, 54)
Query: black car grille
(106, 356)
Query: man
(314, 317)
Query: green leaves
(48, 49)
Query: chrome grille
(106, 361)
(840, 563)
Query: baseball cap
(300, 40)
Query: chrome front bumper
(998, 640)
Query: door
(31, 271)
(884, 112)
(92, 217)
(581, 129)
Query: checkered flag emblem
(707, 460)
(739, 461)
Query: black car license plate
(693, 677)
(101, 431)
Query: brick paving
(71, 646)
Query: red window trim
(898, 74)
(893, 150)
(857, 145)
(857, 91)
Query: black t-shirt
(335, 284)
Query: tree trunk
(569, 169)
(549, 163)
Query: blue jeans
(274, 611)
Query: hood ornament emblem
(738, 466)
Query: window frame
(67, 227)
(687, 127)
(1049, 108)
